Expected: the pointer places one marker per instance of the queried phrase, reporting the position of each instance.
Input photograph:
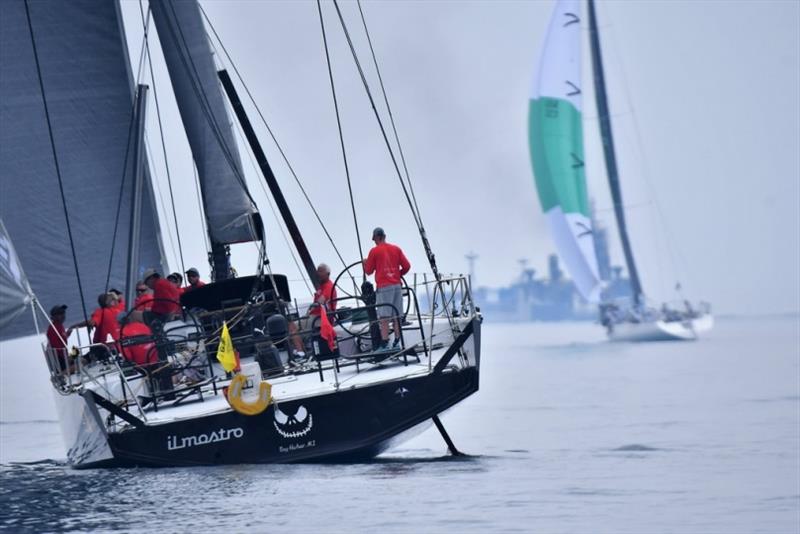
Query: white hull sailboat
(662, 330)
(555, 130)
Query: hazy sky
(711, 177)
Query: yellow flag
(226, 355)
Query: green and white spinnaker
(555, 135)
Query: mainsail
(228, 206)
(556, 146)
(89, 89)
(15, 293)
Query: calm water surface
(569, 433)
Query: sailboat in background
(555, 129)
(74, 171)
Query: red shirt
(140, 353)
(143, 302)
(327, 290)
(190, 287)
(166, 297)
(120, 307)
(57, 338)
(105, 323)
(388, 263)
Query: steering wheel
(404, 285)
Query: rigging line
(341, 138)
(205, 105)
(55, 161)
(277, 221)
(388, 109)
(159, 195)
(377, 115)
(125, 162)
(420, 228)
(121, 192)
(161, 132)
(200, 209)
(680, 264)
(274, 139)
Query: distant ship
(556, 147)
(553, 297)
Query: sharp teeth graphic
(297, 434)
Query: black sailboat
(72, 138)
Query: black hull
(349, 425)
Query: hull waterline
(688, 330)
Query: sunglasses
(141, 289)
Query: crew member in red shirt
(389, 264)
(193, 277)
(166, 298)
(177, 280)
(57, 336)
(324, 299)
(144, 297)
(120, 300)
(143, 352)
(104, 322)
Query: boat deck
(294, 386)
(207, 398)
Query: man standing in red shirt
(120, 300)
(57, 336)
(193, 277)
(166, 298)
(104, 322)
(389, 264)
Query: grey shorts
(389, 295)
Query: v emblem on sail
(556, 139)
(555, 134)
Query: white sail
(556, 145)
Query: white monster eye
(280, 417)
(302, 414)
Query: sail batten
(555, 134)
(229, 209)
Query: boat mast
(610, 155)
(269, 177)
(132, 273)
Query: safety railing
(173, 352)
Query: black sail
(89, 89)
(228, 206)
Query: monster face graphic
(294, 425)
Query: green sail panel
(555, 136)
